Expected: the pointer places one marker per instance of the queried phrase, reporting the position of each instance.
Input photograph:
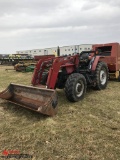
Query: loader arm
(55, 65)
(70, 63)
(40, 66)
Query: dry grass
(87, 130)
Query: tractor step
(38, 99)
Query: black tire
(101, 76)
(118, 78)
(44, 78)
(75, 87)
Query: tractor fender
(96, 60)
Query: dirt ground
(86, 130)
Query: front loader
(71, 73)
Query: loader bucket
(38, 99)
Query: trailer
(13, 61)
(110, 54)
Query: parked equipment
(73, 73)
(110, 53)
(25, 67)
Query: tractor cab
(86, 59)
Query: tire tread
(69, 86)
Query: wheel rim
(103, 77)
(79, 88)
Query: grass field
(87, 130)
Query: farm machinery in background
(14, 59)
(71, 73)
(29, 66)
(25, 67)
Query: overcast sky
(33, 24)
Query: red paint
(69, 62)
(7, 152)
(114, 57)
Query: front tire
(44, 78)
(75, 87)
(101, 76)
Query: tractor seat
(84, 58)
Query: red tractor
(73, 73)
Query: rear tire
(101, 76)
(118, 78)
(75, 87)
